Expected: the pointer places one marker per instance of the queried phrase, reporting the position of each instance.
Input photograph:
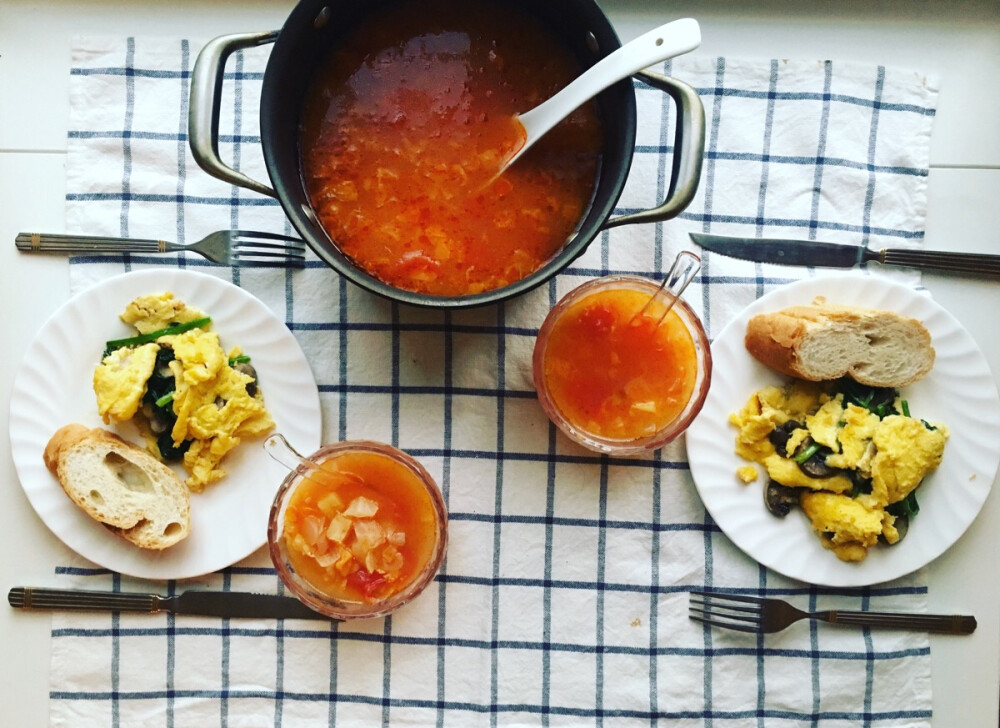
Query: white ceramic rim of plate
(950, 498)
(53, 387)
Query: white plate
(54, 387)
(959, 391)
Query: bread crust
(137, 517)
(777, 340)
(64, 438)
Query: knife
(836, 255)
(208, 603)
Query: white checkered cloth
(563, 597)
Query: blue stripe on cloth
(810, 592)
(501, 350)
(127, 140)
(160, 74)
(227, 634)
(855, 717)
(179, 136)
(343, 325)
(386, 669)
(820, 150)
(279, 677)
(170, 678)
(229, 630)
(550, 521)
(793, 160)
(662, 182)
(116, 655)
(442, 653)
(711, 161)
(334, 674)
(181, 147)
(869, 667)
(601, 585)
(872, 142)
(547, 616)
(825, 96)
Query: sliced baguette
(120, 485)
(823, 342)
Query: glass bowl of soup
(357, 529)
(615, 374)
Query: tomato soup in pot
(405, 126)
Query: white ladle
(659, 44)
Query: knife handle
(30, 597)
(980, 264)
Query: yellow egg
(155, 312)
(787, 472)
(845, 525)
(855, 439)
(906, 450)
(120, 381)
(824, 424)
(896, 453)
(212, 405)
(214, 410)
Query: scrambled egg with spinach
(193, 401)
(850, 455)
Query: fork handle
(56, 243)
(937, 623)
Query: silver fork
(227, 247)
(756, 614)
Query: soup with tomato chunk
(360, 527)
(405, 127)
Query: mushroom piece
(816, 467)
(779, 498)
(780, 434)
(811, 458)
(247, 369)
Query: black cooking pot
(316, 26)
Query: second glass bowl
(610, 376)
(357, 529)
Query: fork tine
(267, 250)
(271, 259)
(728, 597)
(729, 608)
(730, 611)
(246, 254)
(254, 235)
(247, 247)
(737, 626)
(254, 244)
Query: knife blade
(837, 255)
(193, 602)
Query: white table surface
(958, 41)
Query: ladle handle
(659, 44)
(205, 104)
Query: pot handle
(689, 150)
(203, 110)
